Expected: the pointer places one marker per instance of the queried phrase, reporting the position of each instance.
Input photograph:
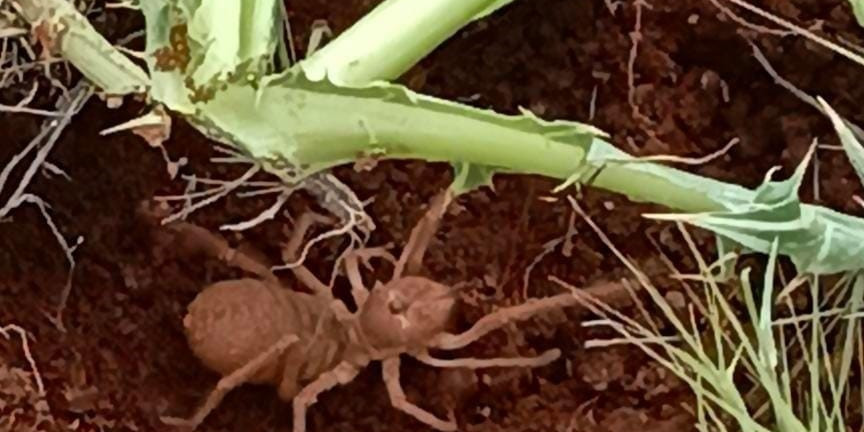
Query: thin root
(25, 346)
(213, 195)
(45, 141)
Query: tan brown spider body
(256, 331)
(230, 322)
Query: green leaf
(195, 47)
(816, 239)
(851, 146)
(858, 10)
(467, 177)
(497, 4)
(233, 36)
(168, 88)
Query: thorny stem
(451, 137)
(639, 181)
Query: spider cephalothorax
(408, 311)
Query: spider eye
(396, 306)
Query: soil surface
(123, 361)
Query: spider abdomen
(230, 322)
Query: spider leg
(607, 292)
(229, 382)
(475, 363)
(411, 259)
(390, 372)
(291, 249)
(500, 318)
(352, 270)
(343, 373)
(191, 239)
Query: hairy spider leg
(411, 259)
(198, 240)
(343, 373)
(229, 382)
(503, 362)
(390, 374)
(352, 269)
(500, 318)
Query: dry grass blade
(797, 92)
(747, 24)
(801, 31)
(794, 384)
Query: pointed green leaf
(467, 177)
(851, 146)
(816, 239)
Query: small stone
(676, 299)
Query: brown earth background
(123, 360)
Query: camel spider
(256, 331)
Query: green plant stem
(397, 34)
(316, 125)
(390, 39)
(325, 147)
(72, 36)
(313, 125)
